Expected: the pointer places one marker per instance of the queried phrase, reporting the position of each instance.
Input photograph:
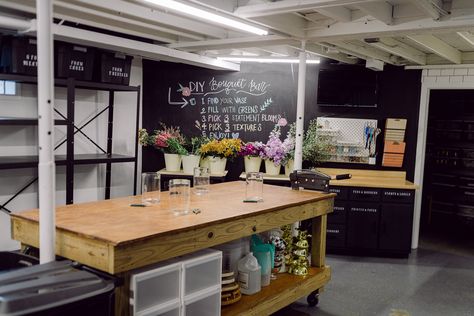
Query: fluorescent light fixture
(206, 15)
(269, 60)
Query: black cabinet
(396, 227)
(338, 216)
(371, 221)
(363, 225)
(336, 236)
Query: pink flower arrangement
(251, 149)
(276, 150)
(168, 139)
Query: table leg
(318, 247)
(122, 296)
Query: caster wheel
(313, 299)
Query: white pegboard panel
(348, 136)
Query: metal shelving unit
(71, 159)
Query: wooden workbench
(360, 178)
(114, 237)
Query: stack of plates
(230, 289)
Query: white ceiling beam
(238, 42)
(116, 25)
(375, 28)
(292, 25)
(82, 12)
(132, 47)
(431, 7)
(438, 47)
(382, 11)
(467, 58)
(340, 14)
(323, 52)
(125, 8)
(467, 36)
(398, 48)
(288, 6)
(363, 51)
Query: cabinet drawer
(364, 208)
(399, 196)
(338, 216)
(365, 194)
(342, 193)
(336, 236)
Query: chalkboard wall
(247, 104)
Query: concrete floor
(434, 281)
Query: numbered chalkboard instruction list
(218, 104)
(227, 108)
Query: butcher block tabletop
(105, 226)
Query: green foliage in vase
(315, 147)
(174, 147)
(193, 145)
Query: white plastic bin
(201, 270)
(204, 303)
(167, 309)
(155, 287)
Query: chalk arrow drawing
(182, 103)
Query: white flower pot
(172, 162)
(205, 162)
(252, 164)
(217, 165)
(271, 169)
(289, 167)
(190, 162)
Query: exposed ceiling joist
(323, 52)
(151, 51)
(240, 42)
(375, 28)
(467, 58)
(467, 36)
(431, 7)
(438, 47)
(382, 11)
(364, 52)
(76, 11)
(287, 6)
(398, 48)
(340, 14)
(125, 8)
(292, 25)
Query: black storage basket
(12, 260)
(115, 68)
(74, 61)
(18, 55)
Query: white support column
(300, 110)
(46, 166)
(420, 162)
(300, 118)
